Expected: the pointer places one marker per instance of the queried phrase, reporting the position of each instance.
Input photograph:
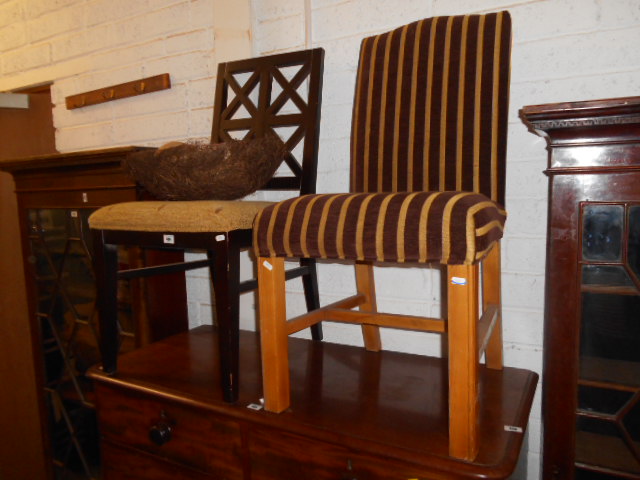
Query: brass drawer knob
(160, 433)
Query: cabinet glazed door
(60, 253)
(608, 416)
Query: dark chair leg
(106, 271)
(225, 275)
(311, 295)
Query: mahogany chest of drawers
(354, 415)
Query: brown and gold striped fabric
(427, 152)
(448, 227)
(431, 106)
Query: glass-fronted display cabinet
(591, 377)
(56, 194)
(608, 412)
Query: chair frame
(470, 335)
(223, 248)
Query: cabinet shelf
(606, 454)
(607, 373)
(610, 289)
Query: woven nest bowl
(221, 171)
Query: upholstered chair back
(431, 106)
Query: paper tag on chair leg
(458, 281)
(267, 265)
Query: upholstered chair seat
(445, 227)
(180, 216)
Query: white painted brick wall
(563, 50)
(82, 45)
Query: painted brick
(524, 254)
(76, 44)
(231, 15)
(150, 25)
(281, 34)
(105, 11)
(522, 290)
(522, 326)
(171, 100)
(618, 13)
(54, 23)
(200, 93)
(231, 45)
(88, 137)
(12, 36)
(182, 67)
(596, 53)
(527, 216)
(200, 122)
(201, 13)
(525, 179)
(189, 41)
(527, 19)
(365, 18)
(461, 7)
(38, 7)
(270, 9)
(12, 12)
(26, 58)
(170, 125)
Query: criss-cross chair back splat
(428, 146)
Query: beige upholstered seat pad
(188, 216)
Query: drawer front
(80, 198)
(282, 456)
(120, 463)
(197, 439)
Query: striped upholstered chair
(428, 153)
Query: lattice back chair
(427, 185)
(279, 93)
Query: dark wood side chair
(277, 93)
(428, 142)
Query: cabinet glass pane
(634, 240)
(61, 255)
(608, 415)
(602, 232)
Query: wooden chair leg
(273, 334)
(463, 360)
(311, 293)
(491, 287)
(224, 265)
(106, 272)
(366, 286)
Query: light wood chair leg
(462, 310)
(273, 334)
(366, 286)
(491, 288)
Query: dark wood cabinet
(355, 415)
(591, 382)
(55, 196)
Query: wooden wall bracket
(116, 92)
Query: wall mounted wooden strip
(116, 92)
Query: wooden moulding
(116, 92)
